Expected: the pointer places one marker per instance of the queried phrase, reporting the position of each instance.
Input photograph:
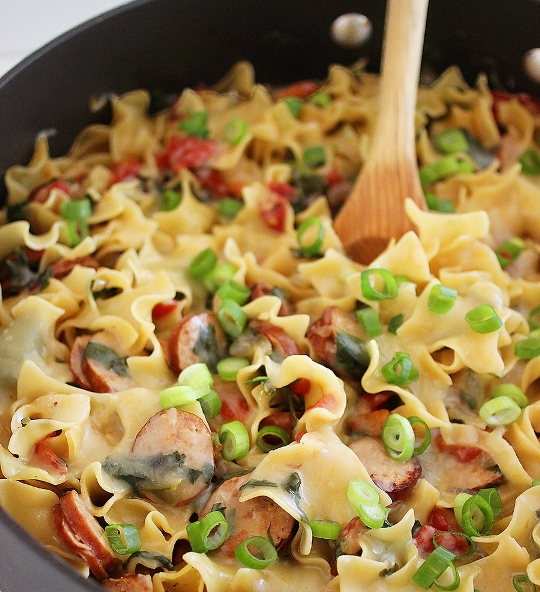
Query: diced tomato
(333, 177)
(301, 386)
(377, 400)
(299, 90)
(274, 211)
(41, 193)
(280, 419)
(464, 454)
(443, 519)
(163, 309)
(188, 153)
(442, 522)
(282, 188)
(48, 459)
(424, 539)
(328, 402)
(214, 180)
(125, 170)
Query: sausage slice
(130, 583)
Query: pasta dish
(200, 390)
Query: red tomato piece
(125, 170)
(301, 386)
(333, 177)
(274, 211)
(299, 90)
(284, 189)
(163, 309)
(188, 153)
(464, 454)
(233, 403)
(214, 180)
(444, 519)
(41, 193)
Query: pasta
(201, 391)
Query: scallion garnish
(526, 349)
(451, 141)
(492, 497)
(395, 323)
(444, 167)
(229, 207)
(295, 105)
(435, 204)
(500, 411)
(228, 368)
(483, 319)
(321, 99)
(195, 126)
(178, 395)
(235, 130)
(530, 162)
(510, 390)
(534, 318)
(441, 299)
(325, 529)
(231, 317)
(202, 263)
(474, 514)
(234, 438)
(170, 199)
(310, 236)
(370, 277)
(271, 437)
(265, 553)
(519, 579)
(211, 404)
(509, 251)
(314, 156)
(75, 213)
(370, 322)
(209, 533)
(233, 290)
(218, 275)
(398, 437)
(197, 376)
(364, 499)
(400, 370)
(422, 447)
(123, 538)
(435, 564)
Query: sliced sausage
(197, 338)
(348, 542)
(336, 339)
(63, 267)
(259, 516)
(130, 583)
(283, 345)
(47, 458)
(175, 453)
(98, 363)
(390, 475)
(80, 532)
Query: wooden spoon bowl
(374, 211)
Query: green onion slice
(228, 367)
(492, 497)
(398, 437)
(271, 437)
(509, 251)
(295, 105)
(483, 319)
(370, 322)
(530, 162)
(325, 529)
(395, 323)
(444, 167)
(364, 499)
(321, 99)
(235, 130)
(176, 396)
(197, 376)
(477, 517)
(123, 538)
(451, 141)
(233, 290)
(510, 390)
(526, 349)
(218, 275)
(234, 438)
(314, 156)
(499, 411)
(211, 404)
(368, 279)
(229, 207)
(534, 318)
(310, 236)
(76, 210)
(202, 263)
(400, 370)
(231, 317)
(422, 447)
(195, 126)
(264, 552)
(520, 579)
(435, 564)
(209, 533)
(441, 299)
(444, 206)
(170, 199)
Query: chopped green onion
(444, 206)
(369, 277)
(444, 167)
(499, 411)
(398, 437)
(422, 447)
(395, 323)
(176, 396)
(235, 130)
(233, 290)
(526, 349)
(321, 99)
(209, 533)
(530, 162)
(314, 156)
(217, 276)
(210, 404)
(441, 299)
(370, 322)
(202, 263)
(492, 497)
(123, 538)
(400, 370)
(364, 499)
(325, 529)
(474, 514)
(228, 367)
(195, 126)
(435, 564)
(452, 141)
(170, 199)
(234, 438)
(509, 251)
(483, 319)
(231, 317)
(310, 245)
(519, 579)
(76, 210)
(295, 105)
(197, 376)
(511, 390)
(265, 555)
(271, 437)
(229, 207)
(534, 318)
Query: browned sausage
(181, 438)
(63, 267)
(130, 583)
(390, 475)
(98, 363)
(259, 516)
(47, 458)
(80, 532)
(197, 338)
(348, 542)
(283, 344)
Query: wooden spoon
(374, 211)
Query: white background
(26, 25)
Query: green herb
(106, 356)
(257, 483)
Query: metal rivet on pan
(531, 64)
(351, 30)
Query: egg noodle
(375, 427)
